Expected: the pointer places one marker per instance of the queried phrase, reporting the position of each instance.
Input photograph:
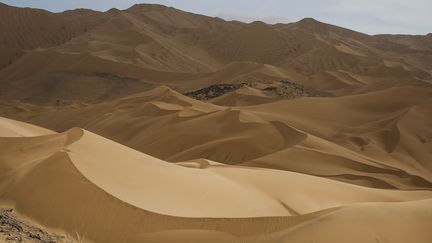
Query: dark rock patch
(13, 229)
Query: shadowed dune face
(361, 139)
(301, 132)
(158, 200)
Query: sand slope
(130, 159)
(374, 139)
(145, 195)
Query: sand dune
(357, 139)
(300, 132)
(244, 96)
(11, 128)
(77, 164)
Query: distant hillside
(155, 45)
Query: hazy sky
(369, 16)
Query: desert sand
(301, 132)
(101, 191)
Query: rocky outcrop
(284, 89)
(13, 229)
(214, 91)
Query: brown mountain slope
(158, 44)
(86, 18)
(174, 19)
(25, 29)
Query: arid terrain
(152, 124)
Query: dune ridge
(64, 156)
(152, 124)
(311, 130)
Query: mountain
(162, 45)
(25, 29)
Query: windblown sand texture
(99, 143)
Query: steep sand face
(374, 124)
(131, 197)
(375, 139)
(351, 220)
(297, 164)
(11, 128)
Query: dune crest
(152, 124)
(67, 167)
